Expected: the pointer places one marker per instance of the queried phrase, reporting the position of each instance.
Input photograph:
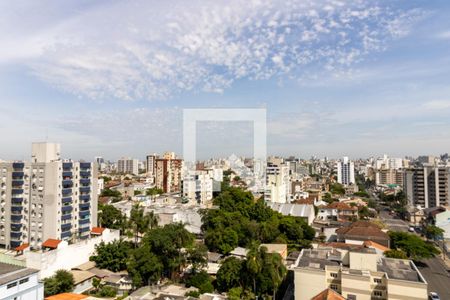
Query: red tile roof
(66, 296)
(51, 243)
(328, 294)
(97, 230)
(375, 245)
(340, 206)
(22, 247)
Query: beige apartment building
(168, 174)
(361, 274)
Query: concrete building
(168, 174)
(389, 177)
(150, 165)
(427, 186)
(198, 186)
(20, 283)
(46, 198)
(346, 171)
(357, 274)
(304, 211)
(128, 166)
(278, 188)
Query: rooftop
(51, 243)
(400, 269)
(10, 272)
(328, 294)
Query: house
(415, 215)
(328, 294)
(18, 282)
(281, 249)
(337, 211)
(441, 218)
(361, 231)
(304, 211)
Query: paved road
(393, 222)
(435, 273)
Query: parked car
(434, 296)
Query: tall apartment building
(346, 171)
(278, 188)
(389, 163)
(389, 176)
(46, 198)
(168, 174)
(150, 164)
(427, 186)
(357, 273)
(198, 186)
(128, 166)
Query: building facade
(198, 186)
(168, 175)
(128, 166)
(19, 283)
(46, 198)
(427, 186)
(346, 171)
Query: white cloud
(437, 104)
(152, 50)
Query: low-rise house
(356, 274)
(337, 211)
(440, 217)
(304, 211)
(415, 215)
(82, 281)
(18, 282)
(280, 249)
(361, 231)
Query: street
(435, 273)
(393, 222)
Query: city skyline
(359, 79)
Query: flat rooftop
(317, 259)
(9, 273)
(399, 269)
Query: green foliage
(111, 193)
(106, 179)
(337, 188)
(229, 274)
(154, 191)
(396, 254)
(106, 291)
(61, 282)
(200, 280)
(240, 220)
(140, 221)
(194, 294)
(112, 256)
(137, 192)
(111, 217)
(414, 247)
(143, 266)
(433, 232)
(238, 293)
(362, 194)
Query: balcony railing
(66, 234)
(66, 200)
(65, 217)
(84, 213)
(17, 200)
(67, 208)
(85, 189)
(85, 197)
(65, 227)
(84, 206)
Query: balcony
(84, 213)
(17, 182)
(66, 227)
(85, 166)
(16, 235)
(66, 217)
(85, 189)
(85, 197)
(84, 221)
(18, 165)
(67, 183)
(16, 200)
(16, 210)
(16, 218)
(67, 166)
(66, 208)
(84, 206)
(66, 200)
(66, 235)
(85, 181)
(85, 174)
(67, 174)
(17, 191)
(84, 229)
(67, 192)
(14, 244)
(18, 175)
(16, 227)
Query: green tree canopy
(412, 245)
(229, 274)
(112, 256)
(61, 282)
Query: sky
(111, 78)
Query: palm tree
(254, 263)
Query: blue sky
(111, 78)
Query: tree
(238, 293)
(433, 232)
(143, 266)
(253, 263)
(202, 281)
(140, 222)
(337, 188)
(61, 282)
(414, 247)
(229, 274)
(154, 191)
(197, 257)
(96, 283)
(112, 256)
(111, 217)
(396, 254)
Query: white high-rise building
(346, 171)
(198, 186)
(151, 165)
(46, 198)
(128, 166)
(278, 188)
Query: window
(22, 281)
(334, 287)
(334, 275)
(11, 285)
(377, 280)
(378, 293)
(351, 297)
